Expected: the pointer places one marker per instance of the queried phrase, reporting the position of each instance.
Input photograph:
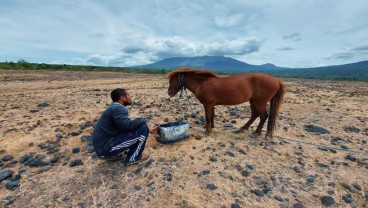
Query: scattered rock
(213, 159)
(328, 201)
(169, 176)
(36, 162)
(296, 169)
(316, 129)
(5, 174)
(76, 150)
(347, 198)
(346, 186)
(34, 110)
(211, 186)
(235, 205)
(278, 198)
(7, 157)
(258, 192)
(321, 165)
(9, 200)
(198, 137)
(76, 162)
(351, 158)
(42, 105)
(231, 154)
(351, 129)
(298, 205)
(244, 173)
(12, 184)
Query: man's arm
(122, 120)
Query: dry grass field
(46, 159)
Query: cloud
(347, 54)
(158, 48)
(294, 37)
(285, 48)
(228, 21)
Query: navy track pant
(133, 141)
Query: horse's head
(174, 86)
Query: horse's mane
(202, 72)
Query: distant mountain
(214, 63)
(220, 64)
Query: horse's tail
(274, 109)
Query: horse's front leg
(213, 117)
(208, 109)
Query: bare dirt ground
(46, 158)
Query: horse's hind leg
(261, 109)
(254, 115)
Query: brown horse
(211, 90)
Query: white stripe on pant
(141, 138)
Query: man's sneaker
(143, 158)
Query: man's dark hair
(117, 93)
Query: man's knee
(144, 130)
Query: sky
(289, 33)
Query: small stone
(75, 133)
(12, 184)
(298, 205)
(137, 187)
(278, 198)
(345, 186)
(250, 167)
(296, 169)
(258, 192)
(235, 205)
(5, 174)
(76, 150)
(230, 154)
(76, 162)
(347, 198)
(328, 201)
(213, 159)
(34, 110)
(357, 187)
(266, 190)
(351, 158)
(198, 137)
(244, 173)
(7, 157)
(316, 129)
(211, 186)
(42, 105)
(169, 176)
(149, 163)
(9, 200)
(55, 159)
(206, 172)
(36, 163)
(322, 165)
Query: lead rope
(183, 88)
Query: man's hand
(154, 131)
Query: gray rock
(76, 162)
(316, 129)
(42, 105)
(12, 184)
(328, 201)
(211, 186)
(258, 192)
(7, 157)
(5, 174)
